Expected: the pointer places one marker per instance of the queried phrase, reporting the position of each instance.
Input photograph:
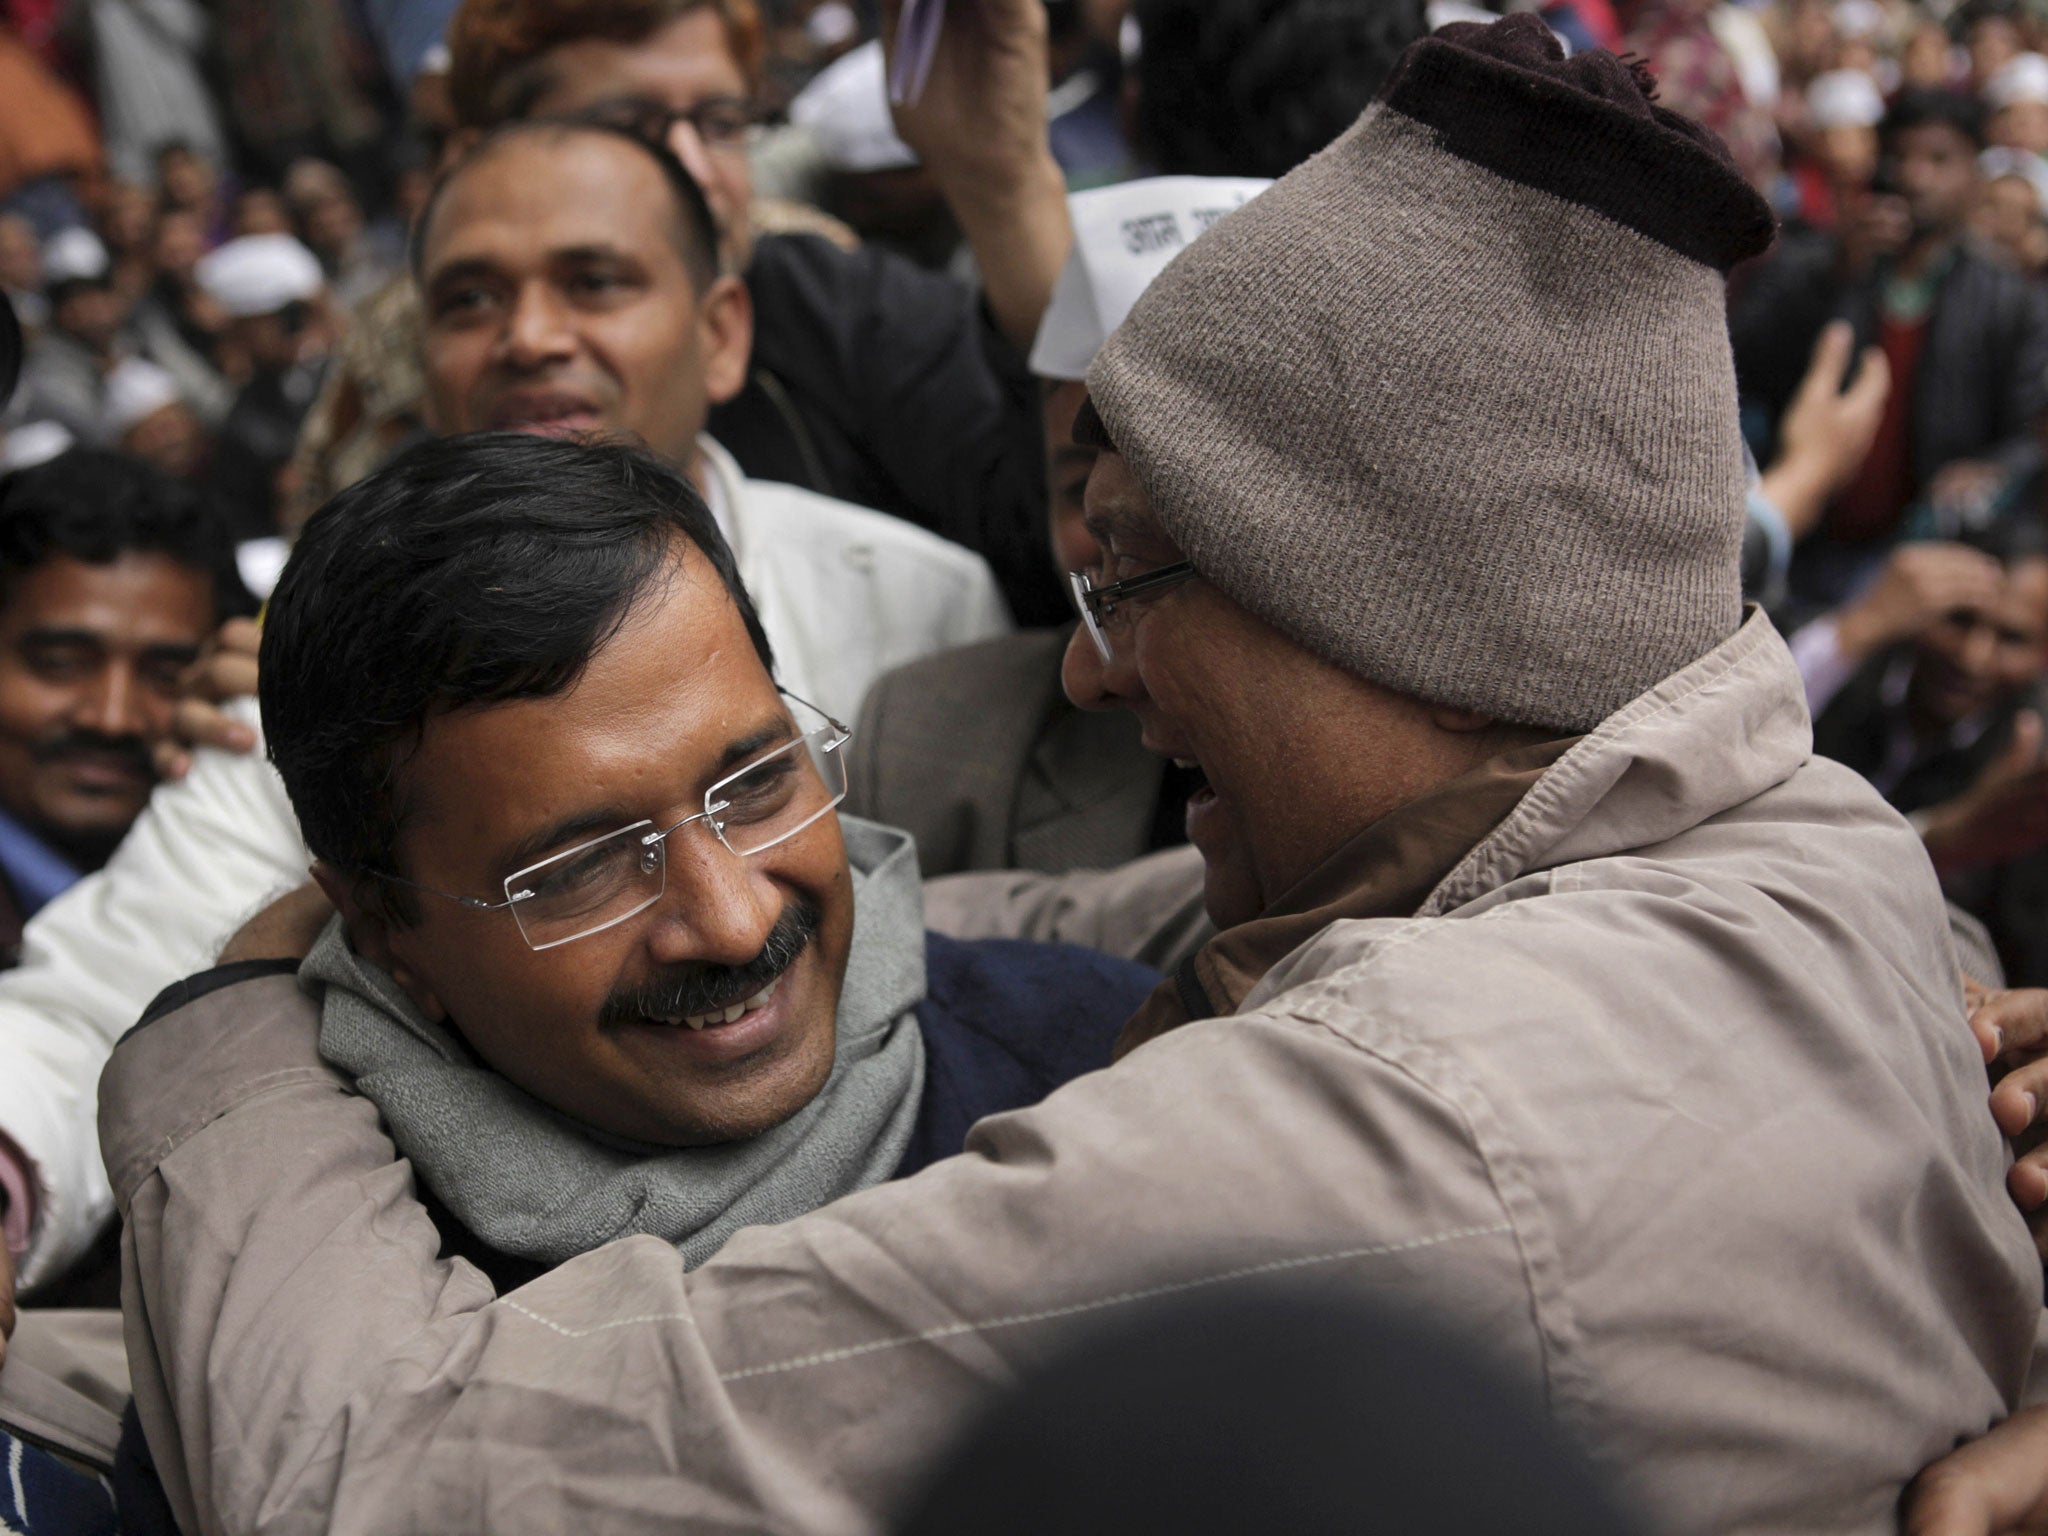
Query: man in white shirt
(571, 286)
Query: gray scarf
(532, 1182)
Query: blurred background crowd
(205, 204)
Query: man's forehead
(546, 191)
(656, 708)
(679, 64)
(138, 595)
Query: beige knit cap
(1453, 403)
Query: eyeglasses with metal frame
(606, 880)
(1098, 605)
(722, 122)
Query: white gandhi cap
(1124, 236)
(846, 112)
(259, 275)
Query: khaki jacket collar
(1708, 738)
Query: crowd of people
(752, 751)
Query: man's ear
(725, 324)
(371, 935)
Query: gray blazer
(978, 755)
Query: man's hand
(1919, 583)
(1827, 430)
(287, 929)
(2012, 1032)
(227, 670)
(1996, 1486)
(979, 127)
(2003, 815)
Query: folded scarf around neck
(530, 1181)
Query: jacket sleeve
(206, 852)
(1149, 910)
(304, 1363)
(2024, 391)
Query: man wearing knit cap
(1560, 990)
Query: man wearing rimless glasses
(608, 962)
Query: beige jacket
(1662, 1096)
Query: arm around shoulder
(325, 1372)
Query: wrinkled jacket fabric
(1663, 1096)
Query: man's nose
(717, 908)
(538, 330)
(1091, 682)
(112, 704)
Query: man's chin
(1230, 890)
(732, 1080)
(719, 1115)
(89, 836)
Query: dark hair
(96, 506)
(498, 48)
(698, 244)
(1255, 87)
(65, 289)
(1916, 109)
(469, 571)
(1264, 1407)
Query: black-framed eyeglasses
(605, 880)
(1098, 605)
(722, 122)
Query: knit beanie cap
(1453, 404)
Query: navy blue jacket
(1005, 1022)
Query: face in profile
(559, 299)
(753, 949)
(89, 664)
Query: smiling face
(559, 300)
(672, 704)
(89, 663)
(1296, 756)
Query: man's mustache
(90, 743)
(701, 989)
